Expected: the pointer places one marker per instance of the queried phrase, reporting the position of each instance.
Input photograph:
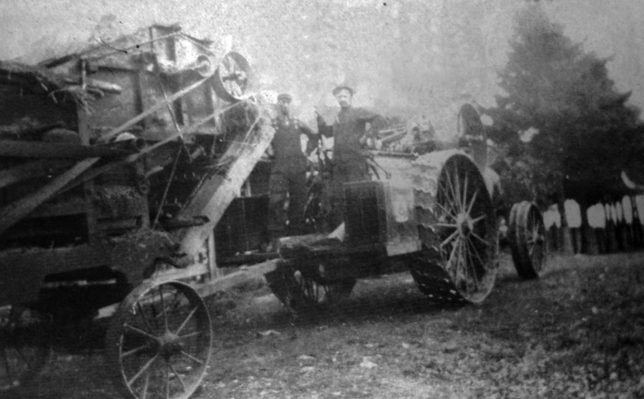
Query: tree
(563, 127)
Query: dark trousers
(553, 238)
(638, 233)
(575, 237)
(602, 240)
(291, 185)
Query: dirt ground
(578, 332)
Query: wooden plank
(237, 278)
(39, 149)
(28, 170)
(14, 212)
(216, 192)
(73, 206)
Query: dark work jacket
(288, 155)
(349, 127)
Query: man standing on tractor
(288, 173)
(348, 159)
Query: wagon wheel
(24, 347)
(526, 234)
(159, 341)
(301, 291)
(232, 77)
(457, 226)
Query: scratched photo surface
(321, 199)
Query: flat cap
(285, 97)
(342, 87)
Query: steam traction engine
(431, 211)
(131, 171)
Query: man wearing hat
(349, 135)
(288, 172)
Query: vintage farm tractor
(116, 164)
(431, 212)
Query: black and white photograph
(319, 199)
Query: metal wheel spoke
(471, 204)
(479, 218)
(190, 335)
(450, 238)
(481, 239)
(475, 251)
(189, 356)
(446, 225)
(456, 257)
(452, 253)
(146, 385)
(167, 382)
(145, 319)
(471, 265)
(187, 319)
(163, 310)
(457, 187)
(446, 211)
(452, 190)
(142, 370)
(464, 198)
(134, 351)
(139, 331)
(183, 385)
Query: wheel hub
(169, 344)
(465, 224)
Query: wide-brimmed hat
(342, 87)
(285, 97)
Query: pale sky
(38, 29)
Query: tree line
(561, 126)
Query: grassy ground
(577, 332)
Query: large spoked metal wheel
(159, 341)
(24, 346)
(526, 235)
(302, 291)
(466, 228)
(232, 77)
(457, 227)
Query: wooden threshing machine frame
(116, 164)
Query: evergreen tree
(564, 128)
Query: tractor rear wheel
(457, 227)
(526, 234)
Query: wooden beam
(236, 279)
(39, 149)
(14, 212)
(29, 170)
(217, 191)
